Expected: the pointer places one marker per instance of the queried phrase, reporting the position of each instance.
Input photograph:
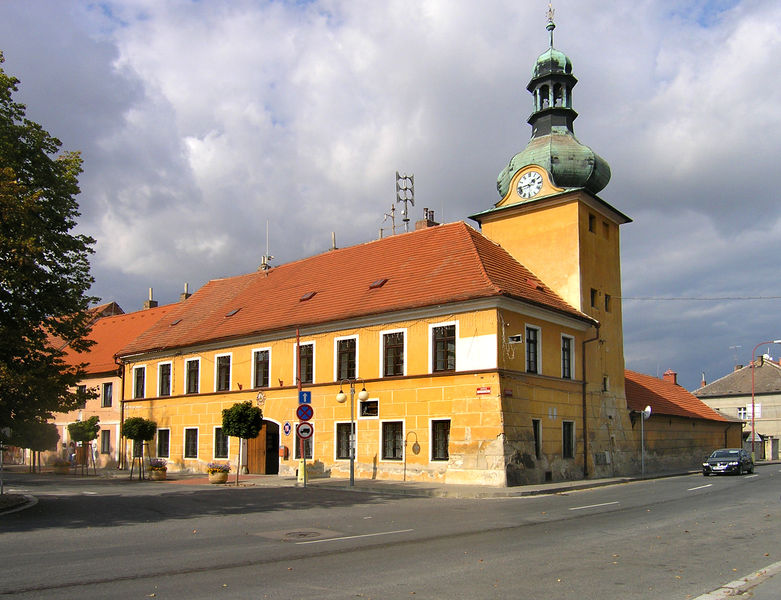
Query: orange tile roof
(110, 334)
(665, 398)
(433, 266)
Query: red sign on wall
(482, 391)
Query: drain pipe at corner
(583, 395)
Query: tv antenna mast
(405, 192)
(392, 216)
(266, 259)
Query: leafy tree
(242, 420)
(38, 436)
(84, 431)
(139, 429)
(44, 268)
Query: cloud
(200, 122)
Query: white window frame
(314, 361)
(403, 441)
(214, 444)
(157, 443)
(337, 458)
(431, 328)
(431, 440)
(103, 393)
(571, 357)
(358, 414)
(143, 392)
(336, 354)
(255, 350)
(170, 379)
(184, 444)
(216, 371)
(383, 333)
(187, 361)
(526, 327)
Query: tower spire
(551, 25)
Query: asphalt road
(677, 537)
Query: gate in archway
(263, 451)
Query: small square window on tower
(592, 223)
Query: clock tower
(551, 220)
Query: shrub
(218, 468)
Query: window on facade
(537, 430)
(592, 223)
(343, 440)
(532, 350)
(440, 439)
(307, 357)
(742, 412)
(568, 439)
(594, 296)
(392, 440)
(566, 356)
(605, 383)
(81, 392)
(163, 442)
(220, 443)
(393, 354)
(607, 303)
(107, 398)
(223, 373)
(345, 359)
(369, 408)
(139, 382)
(262, 360)
(307, 446)
(191, 443)
(443, 348)
(192, 376)
(164, 379)
(105, 441)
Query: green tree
(84, 431)
(44, 268)
(242, 420)
(138, 429)
(38, 436)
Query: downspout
(583, 399)
(121, 371)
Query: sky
(208, 127)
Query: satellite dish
(646, 412)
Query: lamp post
(645, 413)
(753, 354)
(341, 397)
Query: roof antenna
(405, 192)
(551, 25)
(266, 258)
(392, 216)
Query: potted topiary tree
(244, 421)
(83, 432)
(140, 430)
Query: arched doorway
(263, 451)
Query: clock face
(530, 184)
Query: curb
(742, 585)
(29, 502)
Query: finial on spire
(551, 25)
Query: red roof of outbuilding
(110, 334)
(665, 398)
(438, 265)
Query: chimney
(703, 383)
(150, 303)
(738, 367)
(186, 294)
(428, 220)
(670, 376)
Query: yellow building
(488, 357)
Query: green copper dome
(552, 61)
(553, 145)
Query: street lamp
(753, 353)
(341, 397)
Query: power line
(705, 299)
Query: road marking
(352, 537)
(700, 487)
(593, 505)
(751, 476)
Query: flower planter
(157, 475)
(218, 477)
(62, 470)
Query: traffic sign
(305, 431)
(305, 397)
(286, 427)
(304, 412)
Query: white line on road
(352, 537)
(700, 487)
(593, 505)
(751, 476)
